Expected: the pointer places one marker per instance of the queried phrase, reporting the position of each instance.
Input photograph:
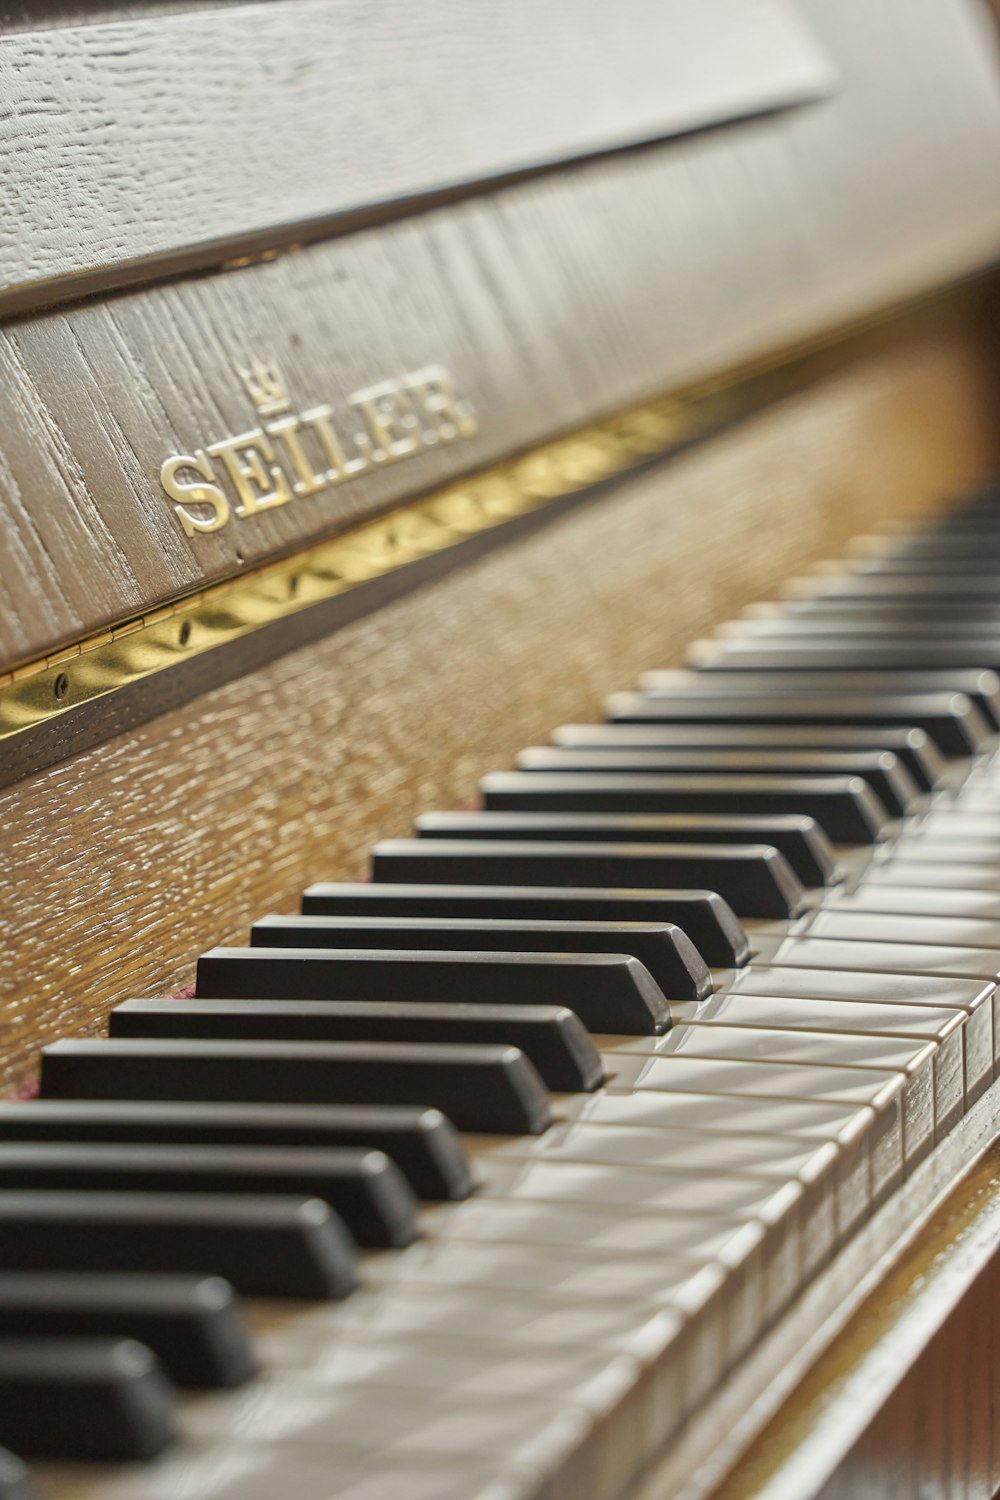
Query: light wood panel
(118, 866)
(165, 135)
(552, 301)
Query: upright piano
(499, 807)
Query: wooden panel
(117, 867)
(156, 136)
(550, 302)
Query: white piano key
(567, 1270)
(846, 1087)
(247, 1471)
(851, 1020)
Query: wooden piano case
(654, 376)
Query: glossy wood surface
(118, 866)
(550, 301)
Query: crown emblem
(264, 386)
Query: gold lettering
(297, 454)
(185, 492)
(319, 419)
(244, 458)
(392, 423)
(448, 416)
(307, 481)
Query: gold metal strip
(42, 690)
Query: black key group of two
(244, 1141)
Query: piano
(499, 695)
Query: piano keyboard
(685, 1003)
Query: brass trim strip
(40, 691)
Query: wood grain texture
(552, 301)
(142, 138)
(117, 867)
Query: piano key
(892, 613)
(949, 961)
(732, 1115)
(812, 1013)
(846, 667)
(351, 1434)
(799, 839)
(422, 1142)
(942, 931)
(901, 870)
(13, 1478)
(857, 1025)
(845, 807)
(950, 719)
(926, 588)
(566, 1271)
(962, 561)
(913, 747)
(493, 1089)
(551, 1037)
(950, 822)
(265, 1246)
(947, 856)
(928, 901)
(84, 1399)
(733, 1195)
(756, 880)
(369, 1193)
(666, 951)
(885, 1089)
(709, 922)
(608, 991)
(192, 1323)
(894, 627)
(884, 985)
(884, 773)
(680, 1149)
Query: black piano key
(265, 1246)
(755, 879)
(191, 1323)
(13, 1478)
(369, 1193)
(608, 991)
(84, 1399)
(953, 722)
(422, 1142)
(884, 772)
(913, 747)
(492, 1089)
(550, 1036)
(801, 840)
(845, 807)
(709, 922)
(667, 952)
